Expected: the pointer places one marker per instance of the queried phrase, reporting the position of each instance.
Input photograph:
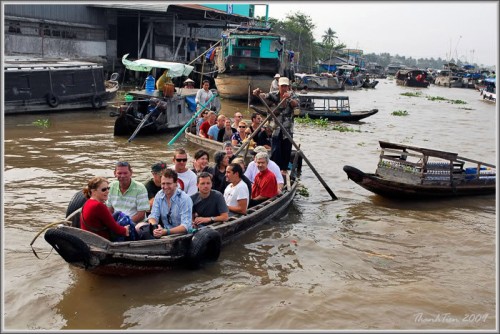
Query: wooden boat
(47, 85)
(205, 143)
(408, 77)
(410, 172)
(331, 107)
(488, 93)
(98, 255)
(370, 84)
(248, 58)
(318, 82)
(150, 112)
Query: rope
(65, 221)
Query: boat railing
(421, 168)
(324, 103)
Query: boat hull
(400, 190)
(240, 86)
(341, 116)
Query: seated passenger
(208, 205)
(252, 169)
(205, 126)
(95, 216)
(153, 185)
(219, 176)
(236, 194)
(200, 163)
(172, 208)
(213, 131)
(240, 161)
(265, 185)
(226, 133)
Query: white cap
(284, 81)
(277, 75)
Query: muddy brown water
(361, 262)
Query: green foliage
(41, 123)
(436, 98)
(343, 128)
(400, 113)
(457, 102)
(322, 122)
(303, 191)
(412, 94)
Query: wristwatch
(212, 219)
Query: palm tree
(329, 37)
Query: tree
(329, 37)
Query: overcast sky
(412, 29)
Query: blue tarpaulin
(190, 100)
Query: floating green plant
(457, 102)
(307, 120)
(343, 128)
(400, 113)
(412, 94)
(465, 108)
(303, 191)
(41, 123)
(436, 98)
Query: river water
(359, 263)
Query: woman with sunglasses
(95, 216)
(241, 135)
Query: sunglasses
(181, 160)
(242, 127)
(105, 189)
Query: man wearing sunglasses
(186, 177)
(127, 195)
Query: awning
(146, 65)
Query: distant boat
(46, 85)
(248, 58)
(318, 82)
(488, 93)
(409, 78)
(157, 111)
(331, 107)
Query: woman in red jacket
(95, 216)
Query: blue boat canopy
(146, 65)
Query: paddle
(141, 124)
(287, 135)
(181, 131)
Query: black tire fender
(76, 202)
(71, 248)
(205, 247)
(52, 100)
(96, 102)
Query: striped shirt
(133, 200)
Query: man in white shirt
(236, 194)
(186, 177)
(252, 169)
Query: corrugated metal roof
(153, 7)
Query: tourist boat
(47, 85)
(150, 112)
(248, 58)
(408, 78)
(318, 82)
(393, 68)
(410, 172)
(331, 107)
(89, 251)
(489, 92)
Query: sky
(468, 30)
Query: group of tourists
(176, 199)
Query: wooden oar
(287, 135)
(195, 116)
(256, 131)
(141, 124)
